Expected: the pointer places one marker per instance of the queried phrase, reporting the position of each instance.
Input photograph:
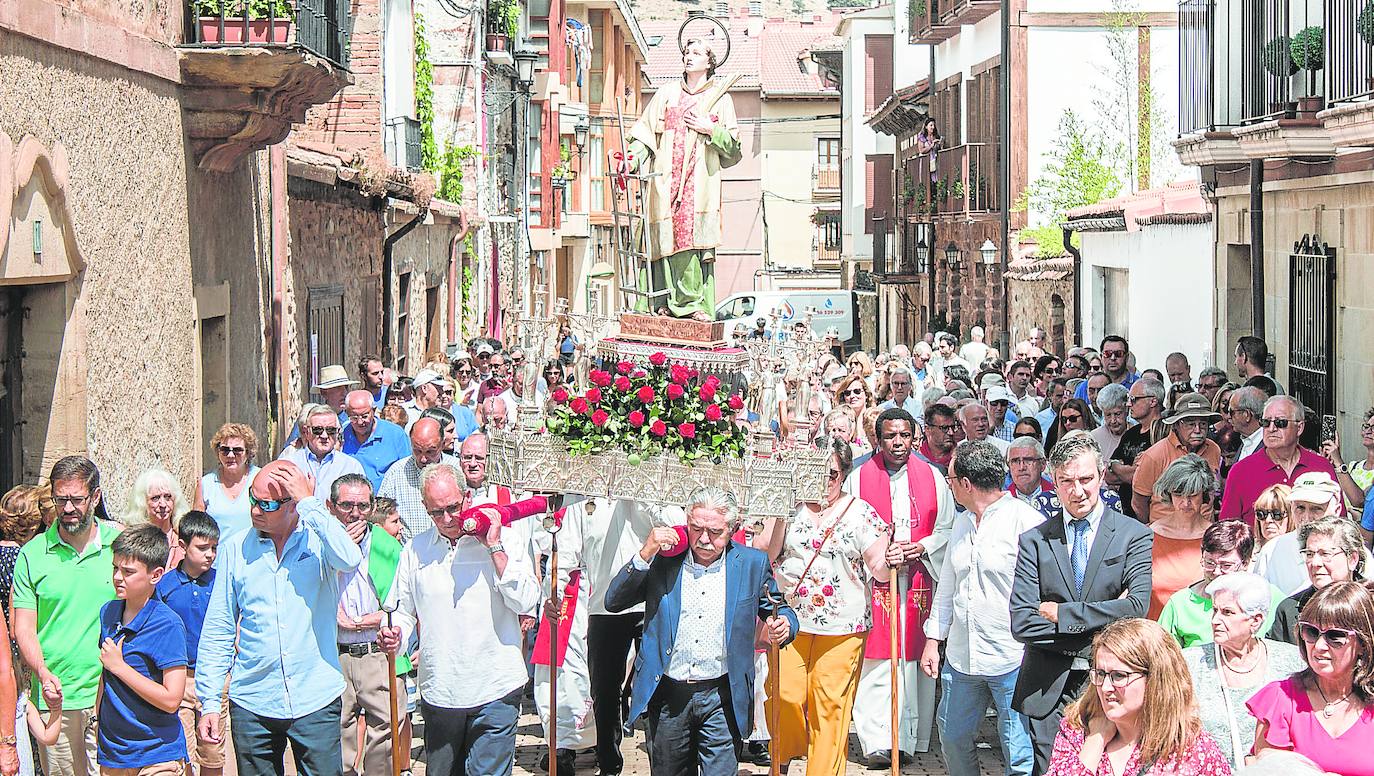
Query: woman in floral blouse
(824, 559)
(1138, 715)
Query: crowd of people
(1132, 569)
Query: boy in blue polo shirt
(143, 651)
(186, 591)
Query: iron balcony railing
(402, 141)
(321, 27)
(1349, 50)
(1243, 61)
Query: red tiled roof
(769, 61)
(1142, 207)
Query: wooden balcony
(825, 182)
(251, 71)
(969, 11)
(927, 23)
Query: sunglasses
(1270, 516)
(949, 429)
(1072, 418)
(1210, 386)
(856, 392)
(227, 450)
(325, 431)
(833, 474)
(1279, 423)
(1335, 637)
(267, 504)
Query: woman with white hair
(1238, 662)
(157, 499)
(1112, 411)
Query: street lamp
(922, 256)
(580, 131)
(989, 252)
(525, 60)
(952, 256)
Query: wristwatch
(495, 548)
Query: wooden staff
(775, 682)
(396, 753)
(894, 602)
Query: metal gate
(1312, 324)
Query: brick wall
(352, 120)
(1042, 295)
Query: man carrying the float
(684, 138)
(910, 495)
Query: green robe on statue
(684, 204)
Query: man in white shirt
(974, 351)
(977, 426)
(319, 456)
(1280, 561)
(465, 594)
(971, 614)
(1244, 408)
(899, 379)
(695, 670)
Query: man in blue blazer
(694, 674)
(1077, 572)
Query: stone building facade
(1040, 292)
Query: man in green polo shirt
(61, 580)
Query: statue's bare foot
(700, 316)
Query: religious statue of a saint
(685, 137)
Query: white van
(833, 310)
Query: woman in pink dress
(1139, 715)
(1326, 713)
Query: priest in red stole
(912, 495)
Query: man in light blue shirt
(899, 380)
(272, 627)
(320, 457)
(375, 443)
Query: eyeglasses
(359, 415)
(445, 391)
(833, 474)
(438, 512)
(354, 506)
(267, 504)
(324, 431)
(1115, 678)
(1335, 637)
(76, 501)
(948, 429)
(1224, 566)
(1210, 386)
(1279, 423)
(227, 450)
(465, 371)
(1324, 556)
(1027, 461)
(1270, 516)
(472, 457)
(1134, 399)
(1367, 427)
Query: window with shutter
(877, 188)
(877, 70)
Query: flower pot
(497, 43)
(1309, 106)
(259, 30)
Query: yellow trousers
(818, 680)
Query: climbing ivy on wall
(424, 97)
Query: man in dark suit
(1083, 568)
(694, 674)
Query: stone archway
(1058, 326)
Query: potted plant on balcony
(1308, 49)
(1364, 23)
(269, 21)
(503, 26)
(1277, 58)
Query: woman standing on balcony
(928, 142)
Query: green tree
(1081, 170)
(424, 97)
